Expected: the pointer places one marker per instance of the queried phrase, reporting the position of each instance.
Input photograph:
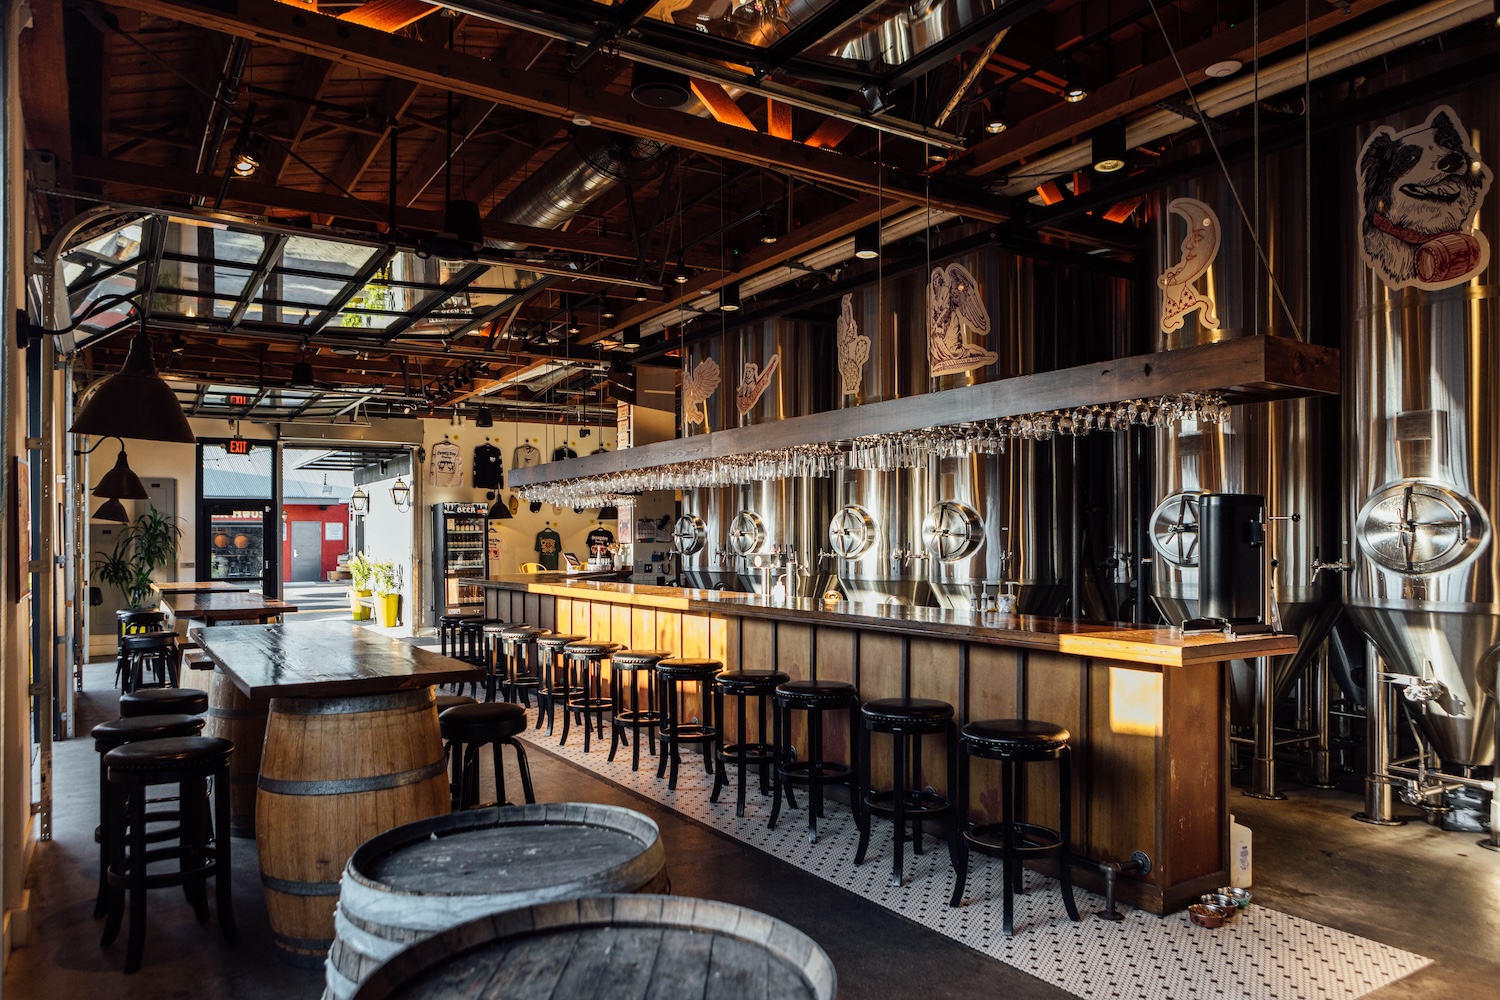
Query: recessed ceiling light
(582, 121)
(1224, 67)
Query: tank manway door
(952, 531)
(851, 533)
(1420, 527)
(1174, 529)
(747, 533)
(688, 534)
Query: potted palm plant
(147, 544)
(360, 569)
(386, 582)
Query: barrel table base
(334, 773)
(234, 716)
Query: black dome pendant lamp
(136, 402)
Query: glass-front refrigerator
(460, 536)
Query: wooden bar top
(222, 606)
(324, 659)
(1158, 645)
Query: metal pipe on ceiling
(225, 96)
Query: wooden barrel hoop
(240, 719)
(335, 772)
(405, 885)
(658, 946)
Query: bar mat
(1263, 955)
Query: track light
(1073, 87)
(573, 327)
(247, 160)
(998, 121)
(769, 231)
(680, 273)
(729, 297)
(1109, 148)
(867, 241)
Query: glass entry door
(238, 542)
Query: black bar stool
(625, 669)
(1014, 742)
(471, 647)
(133, 623)
(199, 766)
(673, 677)
(814, 698)
(742, 685)
(554, 672)
(517, 646)
(907, 720)
(117, 733)
(156, 651)
(466, 728)
(448, 633)
(495, 664)
(163, 701)
(587, 700)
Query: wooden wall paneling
(880, 677)
(619, 624)
(1054, 693)
(1121, 753)
(755, 635)
(1192, 769)
(695, 645)
(719, 641)
(934, 674)
(836, 654)
(562, 615)
(643, 628)
(992, 695)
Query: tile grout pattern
(1263, 955)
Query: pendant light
(1073, 89)
(499, 511)
(867, 241)
(729, 297)
(609, 512)
(997, 121)
(359, 501)
(135, 403)
(112, 510)
(120, 483)
(1109, 147)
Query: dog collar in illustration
(1403, 234)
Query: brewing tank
(1423, 409)
(699, 535)
(1271, 449)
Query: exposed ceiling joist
(270, 22)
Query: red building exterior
(324, 514)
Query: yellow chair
(533, 567)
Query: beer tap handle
(1342, 566)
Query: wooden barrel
(234, 716)
(334, 773)
(405, 885)
(623, 947)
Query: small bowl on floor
(1220, 899)
(1241, 897)
(1209, 915)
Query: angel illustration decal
(854, 348)
(754, 383)
(1179, 282)
(698, 384)
(955, 307)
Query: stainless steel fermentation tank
(1423, 453)
(1272, 449)
(774, 518)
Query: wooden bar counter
(1146, 707)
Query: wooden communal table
(201, 587)
(351, 750)
(214, 607)
(1147, 707)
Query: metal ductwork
(591, 163)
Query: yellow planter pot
(361, 612)
(387, 607)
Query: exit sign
(237, 446)
(239, 400)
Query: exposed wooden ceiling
(367, 119)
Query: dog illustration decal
(1420, 192)
(1179, 283)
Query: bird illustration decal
(754, 383)
(954, 307)
(698, 384)
(1180, 281)
(854, 348)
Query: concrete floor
(1414, 887)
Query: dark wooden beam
(312, 77)
(44, 97)
(1250, 369)
(274, 23)
(394, 100)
